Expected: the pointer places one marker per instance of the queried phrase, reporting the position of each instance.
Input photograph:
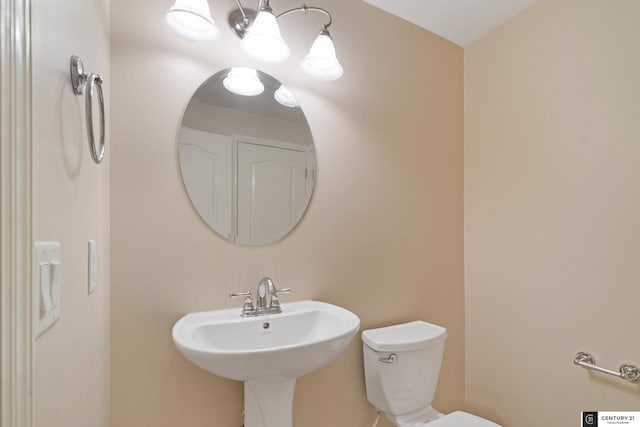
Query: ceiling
(460, 21)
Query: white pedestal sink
(267, 352)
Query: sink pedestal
(268, 403)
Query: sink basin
(267, 352)
(304, 337)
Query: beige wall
(382, 236)
(71, 206)
(551, 211)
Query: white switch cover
(92, 266)
(47, 266)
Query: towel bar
(626, 371)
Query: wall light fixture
(192, 20)
(259, 32)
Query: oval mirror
(246, 156)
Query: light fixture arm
(304, 8)
(244, 15)
(240, 19)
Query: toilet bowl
(402, 365)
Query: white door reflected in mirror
(271, 191)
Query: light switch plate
(93, 265)
(46, 278)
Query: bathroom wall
(382, 237)
(71, 206)
(551, 211)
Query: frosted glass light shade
(263, 40)
(192, 20)
(285, 97)
(243, 81)
(321, 62)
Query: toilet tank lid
(405, 336)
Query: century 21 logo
(589, 419)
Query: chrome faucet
(266, 288)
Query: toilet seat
(459, 419)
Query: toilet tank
(408, 383)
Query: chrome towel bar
(626, 371)
(79, 82)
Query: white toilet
(401, 365)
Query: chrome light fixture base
(240, 20)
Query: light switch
(45, 288)
(47, 268)
(55, 268)
(92, 266)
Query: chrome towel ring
(79, 82)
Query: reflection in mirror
(247, 157)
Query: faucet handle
(248, 302)
(275, 302)
(240, 294)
